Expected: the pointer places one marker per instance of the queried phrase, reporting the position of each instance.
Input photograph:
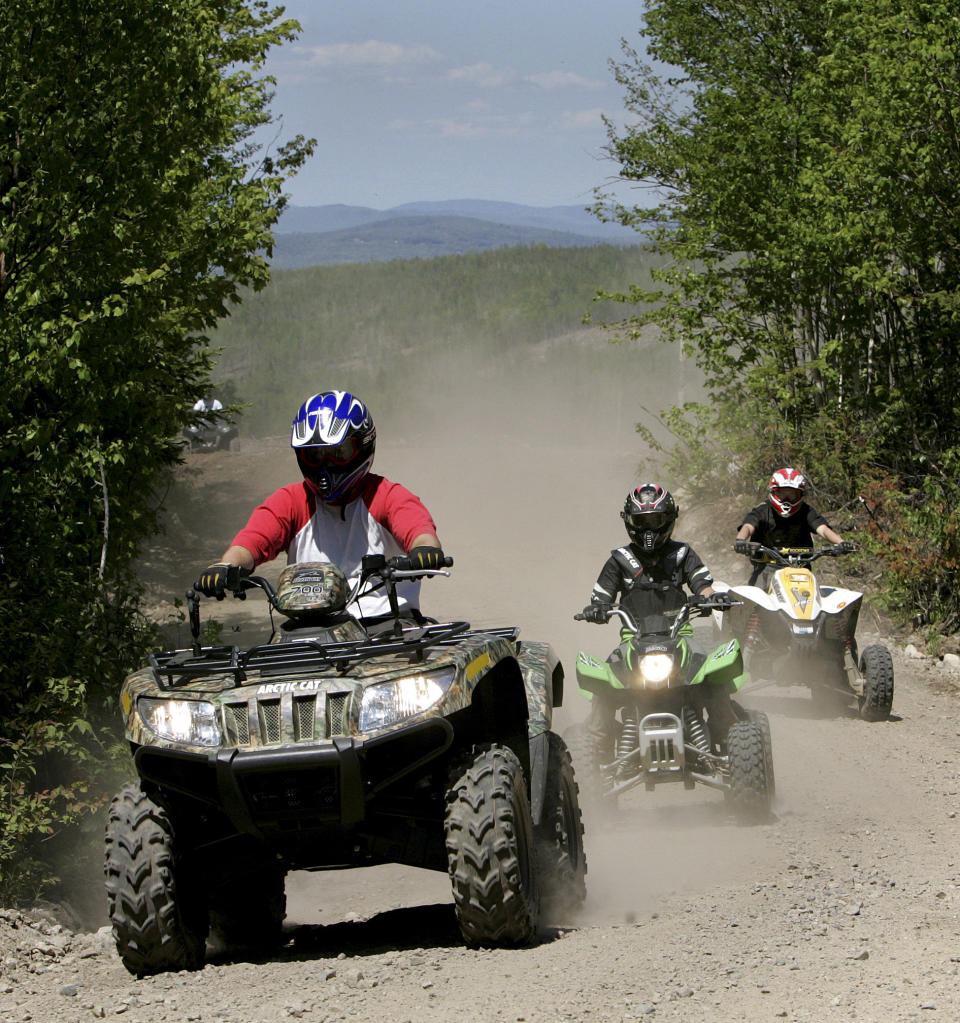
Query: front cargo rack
(174, 668)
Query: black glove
(696, 599)
(597, 613)
(846, 547)
(426, 558)
(745, 547)
(217, 579)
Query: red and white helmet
(786, 491)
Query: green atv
(339, 743)
(661, 686)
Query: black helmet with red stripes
(649, 514)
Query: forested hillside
(328, 235)
(426, 332)
(576, 219)
(413, 237)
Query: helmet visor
(648, 520)
(788, 495)
(330, 454)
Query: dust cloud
(525, 467)
(525, 475)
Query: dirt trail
(845, 906)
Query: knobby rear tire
(749, 793)
(491, 855)
(876, 666)
(559, 836)
(760, 719)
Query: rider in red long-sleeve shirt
(339, 512)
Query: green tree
(135, 202)
(807, 156)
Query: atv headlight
(655, 670)
(389, 702)
(189, 721)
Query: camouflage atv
(339, 743)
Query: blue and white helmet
(334, 439)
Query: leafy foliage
(133, 203)
(807, 156)
(916, 533)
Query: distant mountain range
(327, 235)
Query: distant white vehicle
(209, 434)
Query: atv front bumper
(271, 791)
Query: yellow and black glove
(426, 558)
(217, 579)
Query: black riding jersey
(772, 530)
(654, 583)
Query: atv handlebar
(699, 608)
(389, 571)
(791, 555)
(386, 568)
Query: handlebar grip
(578, 617)
(401, 562)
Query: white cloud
(578, 119)
(488, 76)
(373, 53)
(564, 79)
(467, 127)
(484, 75)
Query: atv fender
(717, 617)
(723, 666)
(542, 675)
(755, 595)
(543, 684)
(595, 676)
(734, 621)
(752, 596)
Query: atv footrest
(661, 746)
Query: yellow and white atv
(797, 632)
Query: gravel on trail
(844, 906)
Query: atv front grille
(661, 744)
(238, 718)
(304, 713)
(269, 721)
(287, 718)
(336, 711)
(661, 752)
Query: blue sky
(438, 99)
